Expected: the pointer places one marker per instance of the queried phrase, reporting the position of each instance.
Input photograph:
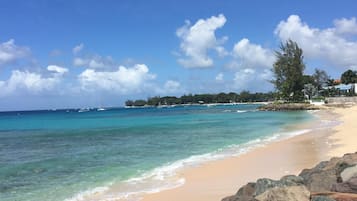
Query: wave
(241, 111)
(167, 177)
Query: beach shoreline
(217, 179)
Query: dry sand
(217, 179)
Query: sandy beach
(215, 180)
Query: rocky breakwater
(288, 106)
(334, 180)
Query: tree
(348, 77)
(129, 103)
(320, 78)
(288, 72)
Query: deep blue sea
(67, 155)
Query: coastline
(215, 180)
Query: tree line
(232, 97)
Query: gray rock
(237, 198)
(247, 190)
(264, 184)
(323, 176)
(348, 173)
(349, 186)
(288, 193)
(245, 193)
(322, 198)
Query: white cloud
(79, 62)
(95, 62)
(243, 77)
(57, 69)
(78, 48)
(123, 80)
(10, 52)
(221, 51)
(346, 26)
(198, 39)
(252, 55)
(31, 81)
(330, 45)
(219, 77)
(172, 86)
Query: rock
(349, 186)
(333, 180)
(289, 193)
(322, 198)
(247, 190)
(317, 181)
(264, 184)
(288, 106)
(245, 193)
(335, 196)
(348, 173)
(327, 173)
(231, 198)
(250, 190)
(237, 198)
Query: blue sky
(64, 54)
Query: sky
(76, 54)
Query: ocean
(72, 155)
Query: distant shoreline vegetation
(243, 97)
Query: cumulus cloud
(78, 48)
(252, 55)
(346, 26)
(95, 62)
(252, 79)
(32, 82)
(198, 39)
(172, 86)
(10, 52)
(123, 80)
(329, 45)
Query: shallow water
(66, 154)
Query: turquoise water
(59, 155)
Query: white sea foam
(242, 111)
(82, 196)
(166, 177)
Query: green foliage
(321, 78)
(139, 103)
(244, 96)
(288, 72)
(349, 76)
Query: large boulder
(249, 191)
(349, 186)
(348, 173)
(327, 173)
(288, 193)
(264, 184)
(333, 196)
(245, 193)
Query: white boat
(83, 110)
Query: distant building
(344, 88)
(336, 82)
